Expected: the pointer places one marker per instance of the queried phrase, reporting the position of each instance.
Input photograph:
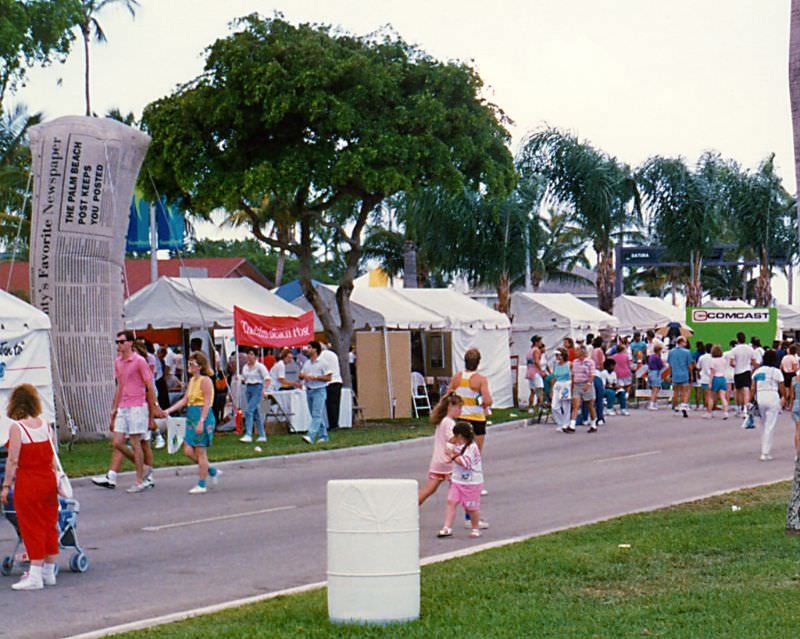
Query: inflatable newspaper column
(84, 173)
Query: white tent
(640, 313)
(726, 304)
(473, 325)
(554, 316)
(24, 355)
(172, 302)
(789, 317)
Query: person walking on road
(316, 376)
(561, 397)
(583, 389)
(789, 367)
(743, 360)
(200, 420)
(534, 373)
(622, 358)
(31, 467)
(444, 415)
(719, 385)
(768, 391)
(655, 366)
(253, 375)
(132, 412)
(466, 482)
(680, 363)
(333, 391)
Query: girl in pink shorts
(466, 481)
(444, 415)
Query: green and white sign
(720, 325)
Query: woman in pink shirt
(444, 415)
(598, 353)
(623, 368)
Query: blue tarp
(291, 290)
(169, 226)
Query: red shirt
(268, 361)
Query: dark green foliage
(33, 32)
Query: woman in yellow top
(200, 421)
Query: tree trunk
(341, 334)
(504, 294)
(764, 281)
(605, 279)
(794, 91)
(409, 264)
(793, 511)
(694, 290)
(279, 267)
(85, 32)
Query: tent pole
(153, 244)
(388, 373)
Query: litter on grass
(623, 545)
(734, 507)
(257, 449)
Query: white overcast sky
(635, 77)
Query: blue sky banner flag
(138, 240)
(170, 226)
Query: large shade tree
(33, 32)
(599, 191)
(323, 119)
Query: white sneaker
(652, 407)
(215, 478)
(29, 582)
(484, 492)
(610, 411)
(483, 525)
(49, 577)
(246, 439)
(104, 482)
(624, 412)
(160, 441)
(766, 458)
(263, 438)
(137, 488)
(307, 439)
(198, 490)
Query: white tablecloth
(295, 404)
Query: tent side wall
(495, 359)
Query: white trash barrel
(373, 550)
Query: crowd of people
(589, 379)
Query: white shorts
(132, 420)
(535, 382)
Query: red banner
(251, 329)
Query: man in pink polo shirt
(134, 404)
(582, 388)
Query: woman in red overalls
(31, 459)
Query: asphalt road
(263, 528)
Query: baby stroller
(68, 510)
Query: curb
(191, 469)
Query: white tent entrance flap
(24, 355)
(641, 313)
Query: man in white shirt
(334, 390)
(743, 360)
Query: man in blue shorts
(680, 361)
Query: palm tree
(562, 247)
(600, 192)
(14, 169)
(762, 212)
(89, 25)
(685, 209)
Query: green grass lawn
(91, 458)
(696, 570)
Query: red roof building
(137, 272)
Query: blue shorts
(190, 436)
(654, 379)
(704, 386)
(719, 384)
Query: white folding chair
(419, 394)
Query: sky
(634, 77)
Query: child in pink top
(466, 481)
(444, 415)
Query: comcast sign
(736, 316)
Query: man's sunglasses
(120, 341)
